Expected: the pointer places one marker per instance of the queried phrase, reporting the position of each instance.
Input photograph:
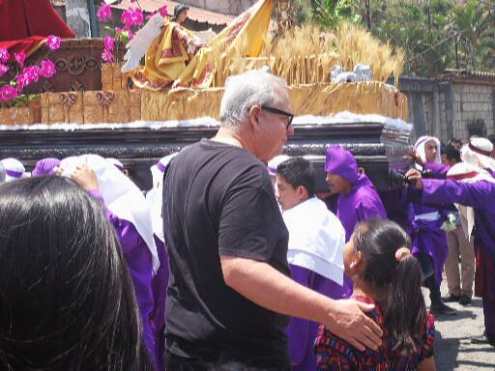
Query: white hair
(245, 90)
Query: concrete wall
(449, 109)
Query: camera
(399, 176)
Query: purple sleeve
(445, 192)
(437, 170)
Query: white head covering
(117, 163)
(420, 150)
(14, 169)
(317, 242)
(478, 153)
(154, 196)
(468, 173)
(121, 196)
(274, 162)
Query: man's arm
(267, 287)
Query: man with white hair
(229, 290)
(473, 189)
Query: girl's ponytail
(405, 311)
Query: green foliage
(434, 34)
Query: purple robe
(427, 235)
(360, 204)
(481, 196)
(301, 332)
(139, 263)
(159, 286)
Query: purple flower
(132, 17)
(104, 13)
(4, 55)
(109, 42)
(47, 68)
(20, 58)
(164, 11)
(107, 56)
(54, 42)
(3, 69)
(7, 93)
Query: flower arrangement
(132, 19)
(19, 76)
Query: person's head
(428, 149)
(46, 166)
(341, 168)
(181, 13)
(14, 169)
(451, 155)
(67, 301)
(378, 256)
(478, 152)
(457, 143)
(295, 182)
(256, 107)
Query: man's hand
(86, 178)
(348, 321)
(413, 176)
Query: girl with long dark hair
(384, 273)
(66, 299)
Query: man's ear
(254, 113)
(302, 193)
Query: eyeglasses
(277, 111)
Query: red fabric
(22, 19)
(27, 45)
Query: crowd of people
(232, 261)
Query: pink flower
(54, 42)
(20, 58)
(7, 93)
(104, 13)
(164, 11)
(27, 77)
(3, 69)
(132, 17)
(47, 68)
(4, 55)
(107, 56)
(109, 42)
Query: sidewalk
(453, 349)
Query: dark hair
(452, 153)
(66, 299)
(456, 143)
(298, 171)
(403, 307)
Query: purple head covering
(45, 166)
(341, 162)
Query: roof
(197, 14)
(466, 75)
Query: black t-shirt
(218, 201)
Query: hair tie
(402, 253)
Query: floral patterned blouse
(335, 354)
